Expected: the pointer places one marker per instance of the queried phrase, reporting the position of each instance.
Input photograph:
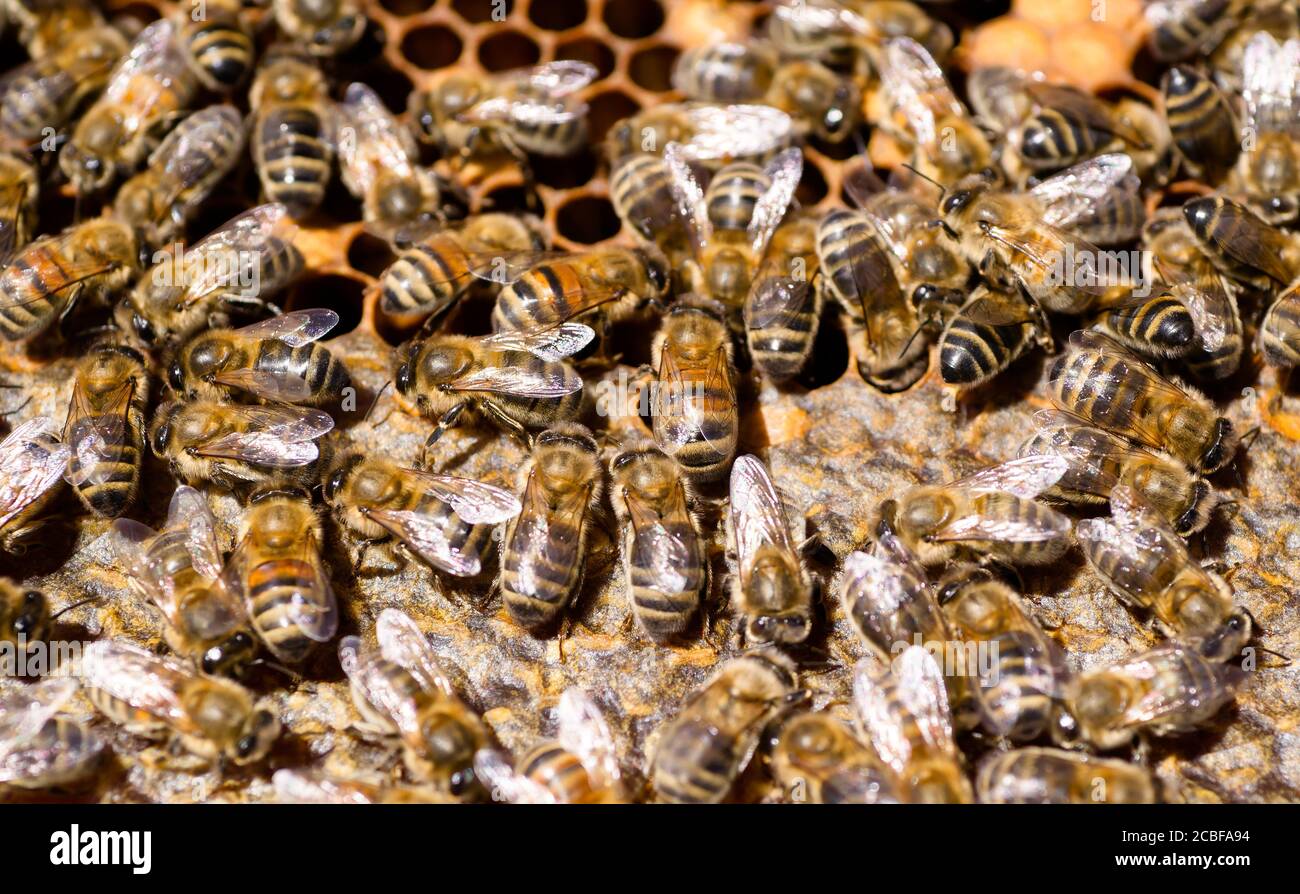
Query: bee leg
(511, 426)
(525, 169)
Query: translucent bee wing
(275, 437)
(31, 462)
(377, 141)
(318, 618)
(152, 68)
(189, 511)
(890, 587)
(506, 267)
(531, 540)
(26, 709)
(150, 683)
(424, 535)
(655, 548)
(689, 196)
(524, 110)
(681, 410)
(776, 300)
(552, 344)
(757, 514)
(1270, 84)
(504, 783)
(474, 501)
(1086, 193)
(285, 387)
(1051, 526)
(403, 643)
(555, 79)
(1042, 250)
(1211, 309)
(736, 131)
(1093, 112)
(311, 787)
(230, 254)
(918, 86)
(554, 382)
(364, 667)
(893, 699)
(91, 455)
(54, 760)
(1026, 477)
(1162, 702)
(187, 156)
(296, 328)
(15, 291)
(997, 309)
(784, 172)
(822, 16)
(584, 732)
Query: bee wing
(296, 328)
(907, 693)
(25, 710)
(230, 253)
(1270, 84)
(784, 172)
(404, 644)
(862, 184)
(494, 768)
(889, 578)
(823, 16)
(736, 131)
(654, 547)
(314, 787)
(553, 382)
(1157, 701)
(1211, 310)
(1088, 192)
(377, 141)
(997, 309)
(553, 343)
(757, 514)
(689, 196)
(1026, 477)
(555, 79)
(189, 511)
(539, 544)
(1042, 248)
(424, 535)
(16, 290)
(186, 155)
(276, 437)
(151, 68)
(31, 462)
(11, 206)
(1093, 112)
(505, 267)
(474, 501)
(43, 761)
(775, 301)
(363, 665)
(285, 387)
(147, 682)
(1252, 242)
(917, 84)
(584, 732)
(93, 432)
(1050, 526)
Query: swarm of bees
(1135, 243)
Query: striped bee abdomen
(293, 157)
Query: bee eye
(160, 438)
(143, 328)
(403, 379)
(176, 376)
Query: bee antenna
(374, 403)
(77, 604)
(292, 675)
(17, 408)
(943, 190)
(1288, 661)
(915, 332)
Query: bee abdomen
(641, 191)
(558, 770)
(222, 53)
(1163, 323)
(1052, 139)
(536, 585)
(293, 159)
(733, 194)
(276, 589)
(423, 277)
(694, 765)
(117, 479)
(1279, 334)
(1019, 704)
(971, 352)
(31, 102)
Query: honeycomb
(823, 438)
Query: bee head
(657, 269)
(258, 735)
(455, 95)
(228, 656)
(87, 164)
(1227, 642)
(339, 476)
(1198, 510)
(32, 619)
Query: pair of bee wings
(902, 706)
(397, 641)
(31, 462)
(1206, 297)
(582, 731)
(658, 549)
(541, 95)
(1128, 371)
(552, 345)
(891, 592)
(1243, 237)
(781, 173)
(919, 89)
(1139, 537)
(153, 68)
(186, 156)
(1062, 433)
(776, 299)
(17, 287)
(1025, 478)
(231, 254)
(1270, 84)
(145, 681)
(1170, 661)
(758, 517)
(189, 517)
(475, 502)
(545, 537)
(13, 201)
(739, 130)
(370, 140)
(277, 437)
(95, 427)
(681, 408)
(24, 712)
(296, 329)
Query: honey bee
(699, 753)
(293, 129)
(732, 222)
(377, 160)
(46, 26)
(1239, 243)
(1279, 331)
(237, 447)
(279, 359)
(446, 521)
(664, 557)
(146, 90)
(902, 706)
(39, 747)
(184, 169)
(1104, 384)
(401, 689)
(819, 101)
(518, 380)
(988, 333)
(580, 766)
(544, 548)
(816, 759)
(431, 275)
(213, 718)
(24, 615)
(278, 571)
(1015, 689)
(240, 265)
(640, 188)
(851, 34)
(696, 418)
(1039, 235)
(1099, 460)
(990, 513)
(1201, 123)
(319, 787)
(105, 428)
(517, 112)
(1149, 568)
(782, 312)
(1050, 776)
(325, 28)
(946, 141)
(47, 91)
(772, 591)
(19, 191)
(1268, 172)
(218, 45)
(887, 598)
(602, 285)
(178, 569)
(48, 278)
(1184, 28)
(32, 462)
(1172, 688)
(708, 133)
